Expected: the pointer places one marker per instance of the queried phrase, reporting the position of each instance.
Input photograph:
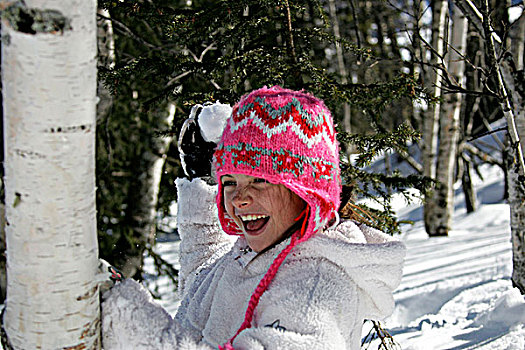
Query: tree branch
(504, 98)
(489, 127)
(410, 160)
(124, 29)
(201, 57)
(291, 45)
(356, 29)
(484, 156)
(475, 17)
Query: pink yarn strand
(267, 279)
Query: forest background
(417, 79)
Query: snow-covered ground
(456, 291)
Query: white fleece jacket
(318, 299)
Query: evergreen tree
(189, 52)
(198, 51)
(130, 152)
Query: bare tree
(144, 198)
(106, 60)
(431, 121)
(449, 131)
(513, 110)
(513, 78)
(507, 78)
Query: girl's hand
(199, 136)
(107, 276)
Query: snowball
(212, 120)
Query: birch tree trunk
(431, 120)
(144, 198)
(516, 196)
(3, 273)
(470, 110)
(106, 59)
(514, 113)
(517, 208)
(449, 130)
(517, 35)
(49, 95)
(418, 54)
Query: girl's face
(264, 211)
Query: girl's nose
(242, 198)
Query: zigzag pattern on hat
(282, 160)
(311, 129)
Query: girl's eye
(260, 180)
(227, 183)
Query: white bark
(515, 116)
(431, 122)
(484, 24)
(449, 130)
(518, 41)
(49, 94)
(418, 57)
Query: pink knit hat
(286, 137)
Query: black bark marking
(88, 294)
(70, 129)
(18, 199)
(32, 20)
(28, 154)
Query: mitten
(199, 136)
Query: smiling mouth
(254, 224)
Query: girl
(294, 277)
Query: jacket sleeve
(202, 239)
(313, 305)
(132, 320)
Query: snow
(514, 13)
(456, 291)
(212, 120)
(162, 287)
